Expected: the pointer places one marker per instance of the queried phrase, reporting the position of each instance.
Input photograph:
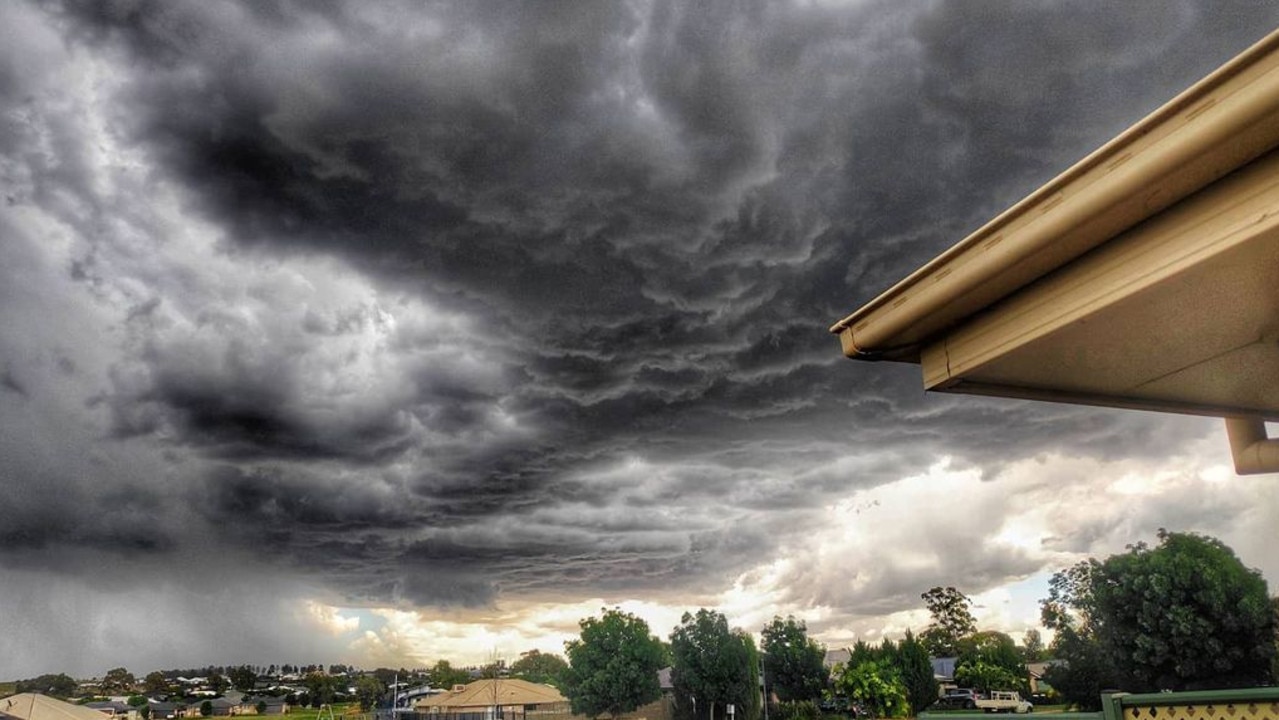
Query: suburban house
(1036, 671)
(1146, 276)
(32, 706)
(836, 656)
(493, 698)
(114, 708)
(944, 672)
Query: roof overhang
(1146, 276)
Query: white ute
(1005, 702)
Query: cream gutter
(1222, 122)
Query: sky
(385, 333)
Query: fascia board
(1238, 210)
(1221, 123)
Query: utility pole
(763, 686)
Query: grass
(341, 711)
(8, 688)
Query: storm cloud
(432, 306)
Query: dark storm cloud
(597, 247)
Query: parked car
(959, 698)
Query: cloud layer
(438, 308)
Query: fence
(1239, 704)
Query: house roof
(32, 706)
(1141, 277)
(837, 655)
(490, 692)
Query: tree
(985, 677)
(612, 665)
(1274, 664)
(1082, 671)
(494, 669)
(715, 665)
(243, 678)
(876, 685)
(1185, 615)
(368, 690)
(218, 682)
(206, 708)
(1032, 646)
(320, 689)
(60, 685)
(539, 667)
(993, 663)
(916, 673)
(155, 682)
(952, 620)
(118, 681)
(793, 663)
(444, 676)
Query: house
(944, 673)
(249, 705)
(114, 708)
(1035, 672)
(32, 706)
(837, 656)
(666, 681)
(493, 698)
(219, 707)
(1142, 277)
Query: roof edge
(1225, 120)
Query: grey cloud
(579, 239)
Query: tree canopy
(612, 665)
(444, 676)
(539, 667)
(118, 681)
(368, 690)
(1183, 615)
(989, 660)
(917, 673)
(715, 665)
(888, 680)
(793, 663)
(58, 685)
(243, 678)
(952, 620)
(875, 684)
(1032, 646)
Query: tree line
(1185, 614)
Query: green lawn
(8, 688)
(340, 711)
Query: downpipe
(1253, 452)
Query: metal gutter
(1222, 122)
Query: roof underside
(1179, 314)
(1146, 276)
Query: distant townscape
(1189, 595)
